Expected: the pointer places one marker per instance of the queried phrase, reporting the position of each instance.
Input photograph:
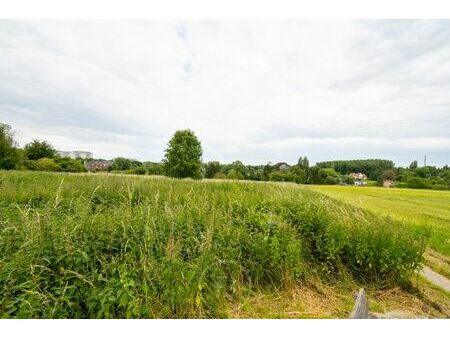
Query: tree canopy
(9, 155)
(36, 150)
(183, 156)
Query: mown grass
(93, 246)
(418, 209)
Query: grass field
(107, 246)
(418, 209)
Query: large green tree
(183, 157)
(9, 155)
(39, 149)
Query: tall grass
(126, 247)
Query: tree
(212, 168)
(121, 163)
(303, 163)
(233, 174)
(413, 165)
(36, 150)
(47, 164)
(70, 165)
(388, 175)
(331, 180)
(10, 156)
(183, 156)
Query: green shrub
(418, 183)
(46, 164)
(331, 180)
(279, 176)
(439, 187)
(220, 176)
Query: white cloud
(256, 91)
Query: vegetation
(372, 168)
(129, 247)
(39, 149)
(420, 210)
(10, 156)
(183, 156)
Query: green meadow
(418, 209)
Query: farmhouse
(360, 178)
(97, 165)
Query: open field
(418, 209)
(106, 246)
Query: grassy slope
(109, 246)
(417, 208)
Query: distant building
(76, 154)
(388, 183)
(97, 165)
(282, 166)
(360, 178)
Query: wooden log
(361, 307)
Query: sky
(255, 91)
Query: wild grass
(420, 210)
(93, 246)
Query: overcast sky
(254, 91)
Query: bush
(331, 180)
(70, 165)
(278, 176)
(234, 175)
(139, 171)
(418, 183)
(47, 164)
(439, 187)
(372, 249)
(220, 176)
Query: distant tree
(331, 180)
(47, 164)
(418, 183)
(303, 163)
(10, 156)
(371, 167)
(388, 174)
(140, 170)
(233, 174)
(220, 176)
(268, 168)
(300, 173)
(279, 176)
(326, 172)
(69, 165)
(212, 168)
(183, 157)
(121, 163)
(36, 150)
(153, 168)
(413, 165)
(240, 168)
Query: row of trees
(36, 155)
(183, 158)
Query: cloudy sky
(256, 91)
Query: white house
(360, 178)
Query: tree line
(183, 158)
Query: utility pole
(425, 160)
